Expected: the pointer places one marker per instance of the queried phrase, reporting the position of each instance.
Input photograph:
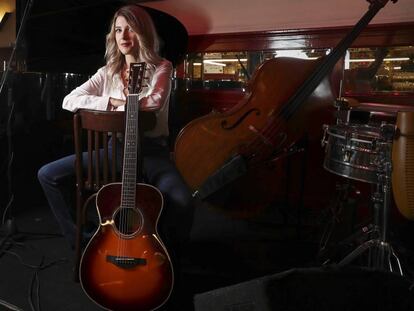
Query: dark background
(69, 35)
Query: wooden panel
(375, 35)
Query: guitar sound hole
(128, 221)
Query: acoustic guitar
(125, 265)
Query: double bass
(227, 159)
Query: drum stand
(381, 255)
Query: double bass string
(264, 145)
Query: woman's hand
(114, 103)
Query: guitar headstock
(136, 77)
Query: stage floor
(36, 263)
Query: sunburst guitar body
(125, 266)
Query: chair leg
(80, 222)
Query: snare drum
(355, 151)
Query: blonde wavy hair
(141, 22)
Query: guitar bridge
(126, 262)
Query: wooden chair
(92, 131)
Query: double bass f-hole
(225, 126)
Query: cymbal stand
(381, 254)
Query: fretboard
(129, 173)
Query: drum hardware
(341, 211)
(363, 152)
(343, 110)
(345, 107)
(381, 254)
(352, 150)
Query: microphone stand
(8, 226)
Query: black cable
(3, 241)
(40, 267)
(4, 246)
(9, 306)
(34, 288)
(35, 279)
(10, 158)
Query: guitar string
(129, 177)
(128, 192)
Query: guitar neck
(132, 165)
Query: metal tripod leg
(386, 253)
(381, 252)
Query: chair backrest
(92, 131)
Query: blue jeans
(57, 179)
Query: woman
(132, 38)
